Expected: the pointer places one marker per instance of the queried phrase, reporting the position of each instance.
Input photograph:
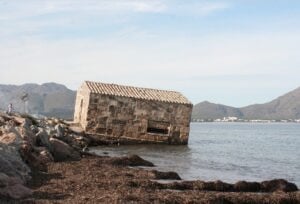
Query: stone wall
(142, 120)
(81, 105)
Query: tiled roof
(135, 92)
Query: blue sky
(234, 52)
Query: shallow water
(227, 152)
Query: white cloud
(23, 9)
(159, 62)
(207, 8)
(143, 6)
(199, 8)
(33, 17)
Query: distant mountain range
(56, 100)
(284, 107)
(49, 99)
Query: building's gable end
(82, 105)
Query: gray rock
(44, 155)
(2, 121)
(10, 136)
(26, 123)
(12, 164)
(60, 131)
(27, 135)
(34, 129)
(43, 138)
(50, 131)
(61, 151)
(31, 156)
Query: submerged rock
(244, 186)
(278, 185)
(132, 160)
(170, 175)
(241, 186)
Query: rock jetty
(28, 144)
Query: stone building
(133, 114)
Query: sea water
(227, 152)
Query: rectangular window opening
(158, 127)
(157, 130)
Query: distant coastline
(235, 119)
(285, 108)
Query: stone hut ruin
(133, 114)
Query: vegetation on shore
(112, 180)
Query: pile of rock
(27, 144)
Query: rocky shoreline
(45, 161)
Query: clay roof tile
(136, 92)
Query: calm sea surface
(228, 152)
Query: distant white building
(230, 119)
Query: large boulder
(32, 157)
(75, 141)
(13, 188)
(44, 155)
(61, 151)
(12, 164)
(42, 138)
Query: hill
(206, 110)
(49, 99)
(283, 107)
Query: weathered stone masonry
(133, 113)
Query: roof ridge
(136, 87)
(137, 92)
